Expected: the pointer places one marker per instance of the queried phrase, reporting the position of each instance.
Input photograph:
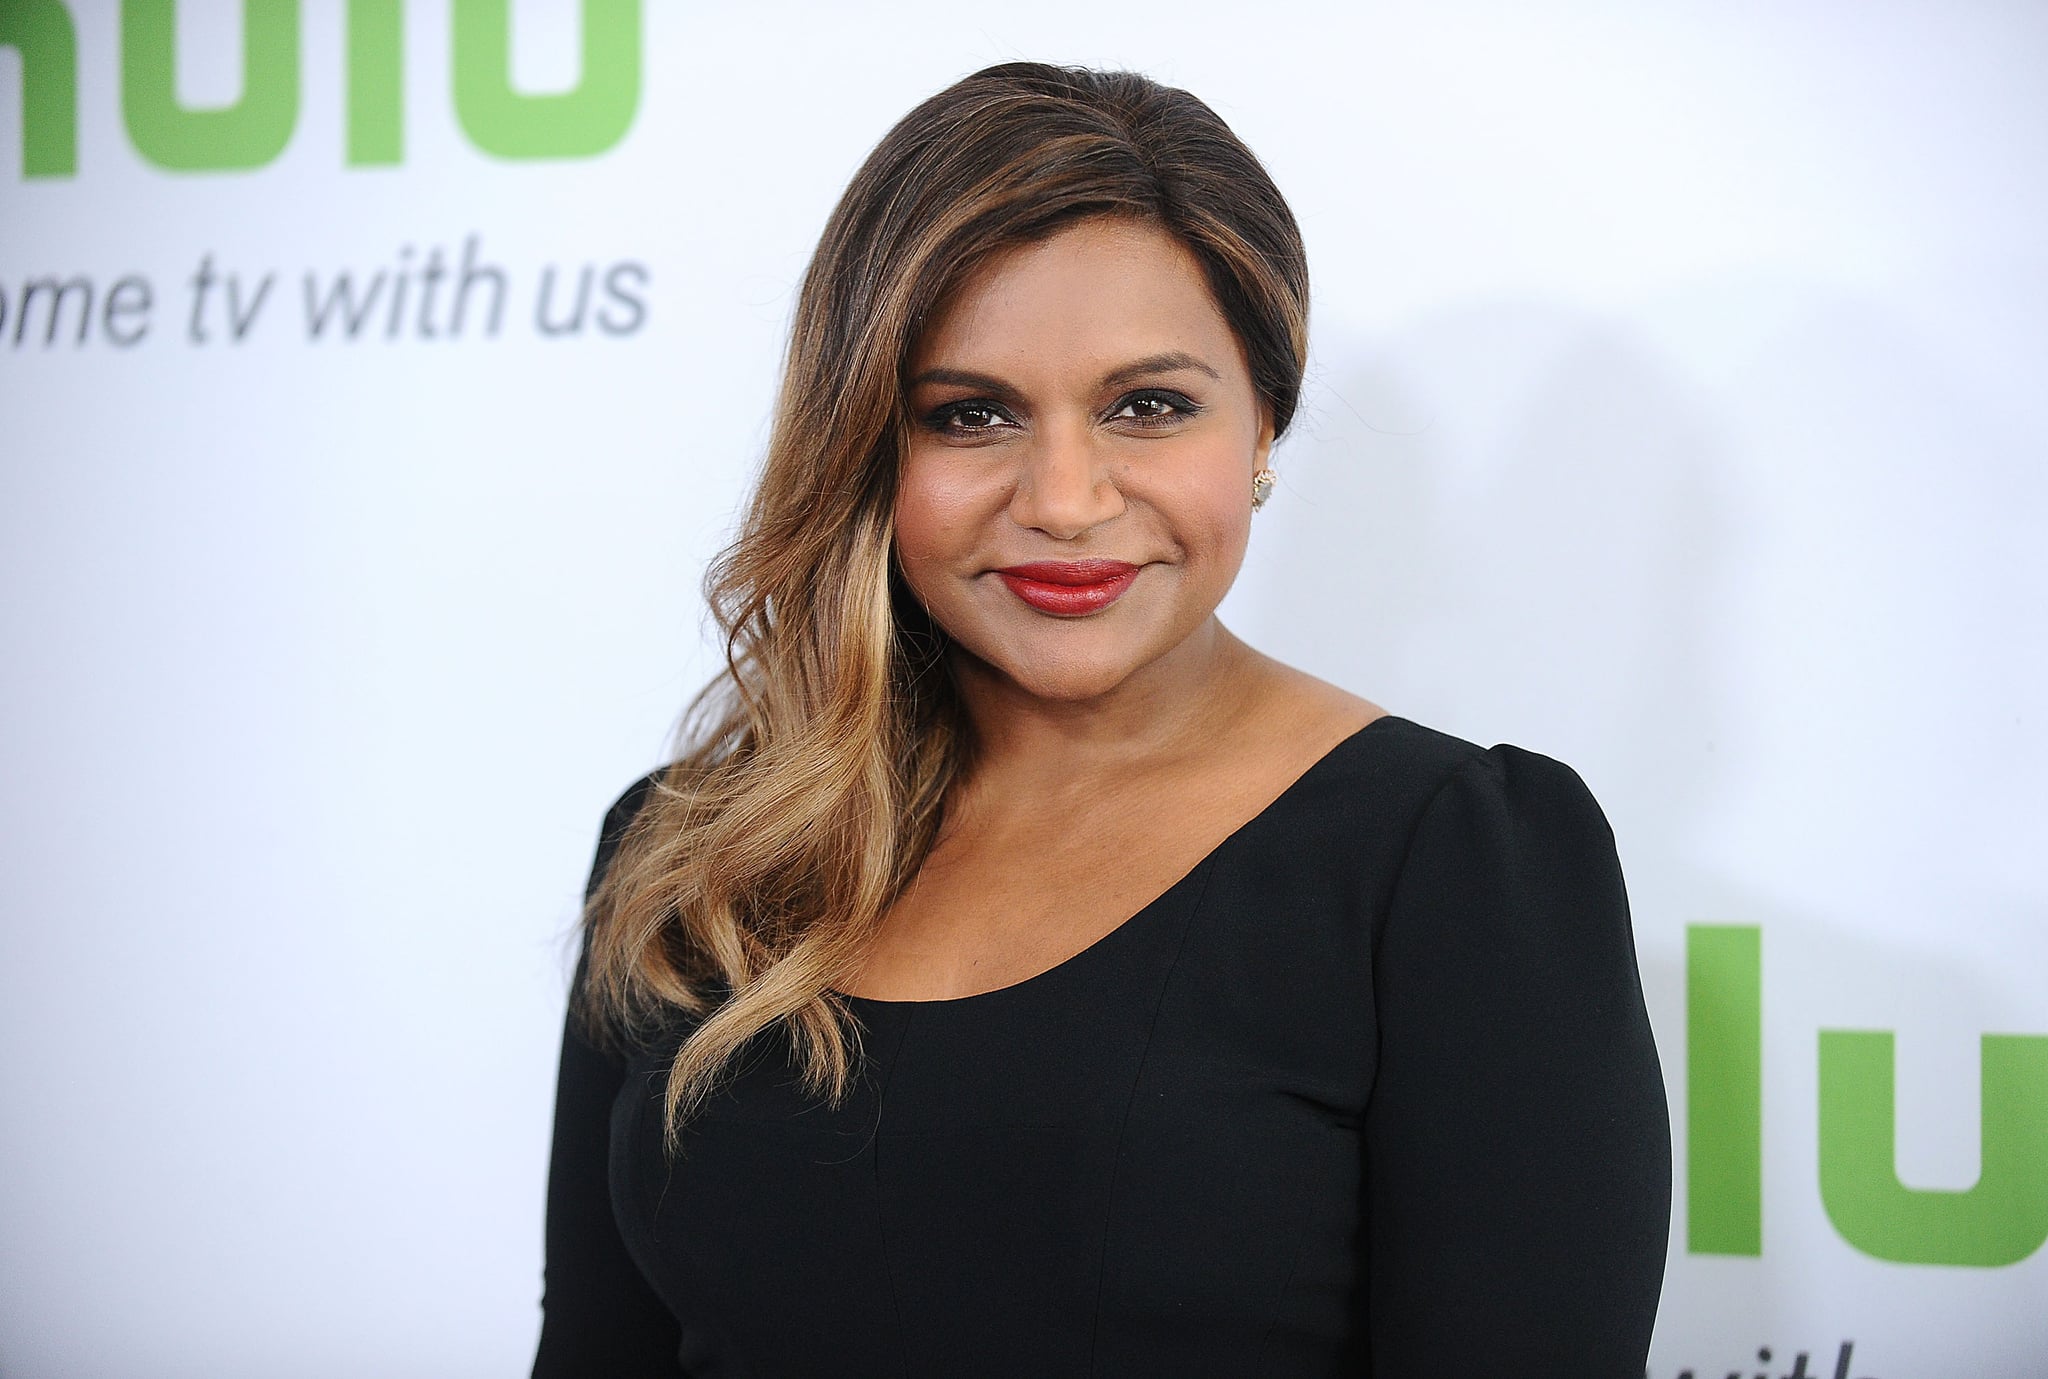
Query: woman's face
(1076, 493)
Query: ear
(1262, 450)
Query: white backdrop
(1676, 410)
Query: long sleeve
(600, 1319)
(1518, 1146)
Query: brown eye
(1154, 408)
(968, 417)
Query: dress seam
(1384, 915)
(1130, 1104)
(1385, 908)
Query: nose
(1064, 486)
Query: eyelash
(941, 419)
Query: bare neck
(1166, 711)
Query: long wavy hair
(814, 769)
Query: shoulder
(1437, 834)
(626, 807)
(1507, 862)
(1428, 776)
(1409, 830)
(618, 820)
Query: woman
(1018, 974)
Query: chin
(1068, 677)
(1071, 660)
(1075, 686)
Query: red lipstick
(1070, 588)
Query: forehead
(1096, 294)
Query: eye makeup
(980, 416)
(943, 419)
(1183, 407)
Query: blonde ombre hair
(814, 770)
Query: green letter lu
(2002, 1220)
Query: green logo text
(2001, 1220)
(250, 133)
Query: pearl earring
(1262, 488)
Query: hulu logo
(1999, 1221)
(252, 132)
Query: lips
(1069, 588)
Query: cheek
(934, 519)
(1210, 498)
(1226, 534)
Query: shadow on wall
(1530, 559)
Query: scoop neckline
(1201, 864)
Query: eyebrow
(1173, 361)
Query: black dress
(1370, 1091)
